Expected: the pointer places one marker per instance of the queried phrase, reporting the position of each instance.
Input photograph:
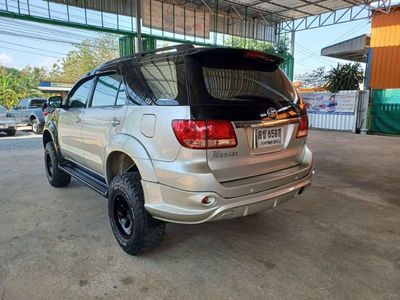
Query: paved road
(339, 240)
(23, 140)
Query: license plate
(267, 137)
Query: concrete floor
(340, 240)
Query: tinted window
(162, 80)
(80, 96)
(137, 88)
(239, 77)
(121, 99)
(37, 103)
(23, 104)
(248, 85)
(106, 91)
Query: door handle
(115, 122)
(78, 120)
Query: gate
(361, 124)
(385, 112)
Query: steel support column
(292, 42)
(139, 27)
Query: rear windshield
(37, 103)
(235, 79)
(2, 109)
(248, 85)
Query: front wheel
(52, 159)
(133, 227)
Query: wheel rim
(34, 126)
(49, 165)
(123, 216)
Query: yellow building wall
(385, 41)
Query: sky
(23, 43)
(308, 44)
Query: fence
(345, 110)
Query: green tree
(84, 57)
(344, 77)
(17, 84)
(315, 78)
(281, 48)
(246, 43)
(8, 95)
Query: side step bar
(85, 177)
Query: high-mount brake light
(201, 134)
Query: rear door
(249, 89)
(103, 119)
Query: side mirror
(55, 101)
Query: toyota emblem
(272, 112)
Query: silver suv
(186, 136)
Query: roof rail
(180, 47)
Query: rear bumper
(178, 206)
(8, 125)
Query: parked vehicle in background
(29, 112)
(191, 136)
(7, 122)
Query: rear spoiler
(237, 58)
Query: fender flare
(37, 117)
(132, 147)
(51, 128)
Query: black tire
(11, 132)
(56, 177)
(140, 232)
(36, 129)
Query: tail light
(302, 131)
(200, 134)
(45, 113)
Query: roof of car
(183, 49)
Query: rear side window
(106, 91)
(162, 80)
(37, 103)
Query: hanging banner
(328, 103)
(173, 18)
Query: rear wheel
(133, 227)
(56, 177)
(36, 127)
(11, 132)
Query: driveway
(339, 240)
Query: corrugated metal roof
(294, 9)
